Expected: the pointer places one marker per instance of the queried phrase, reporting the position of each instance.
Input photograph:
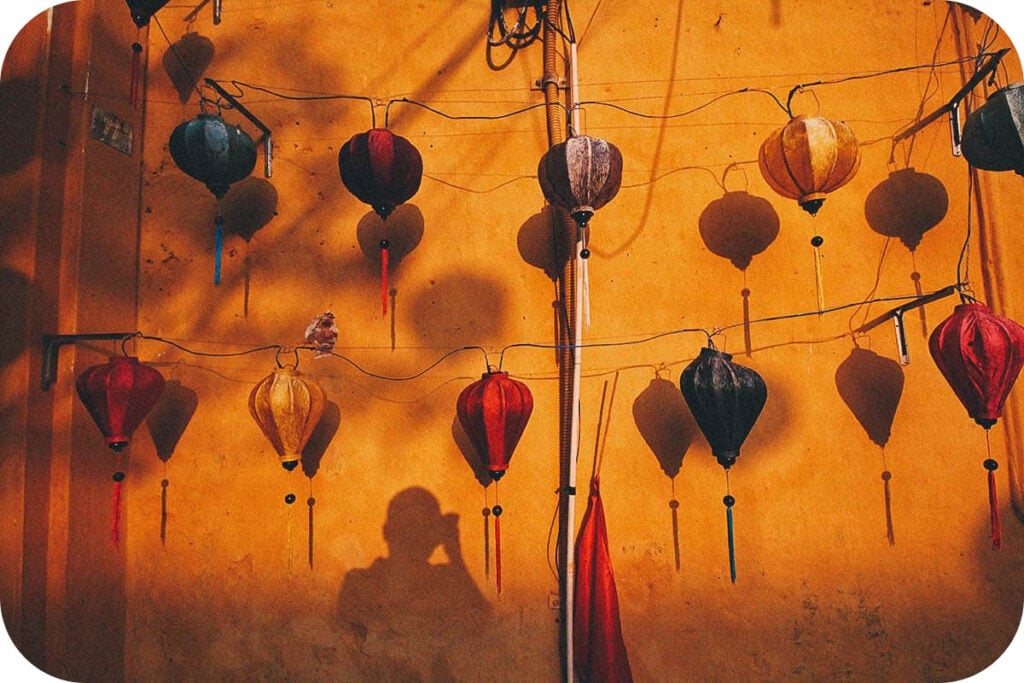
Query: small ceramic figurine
(323, 332)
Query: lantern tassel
(218, 249)
(886, 476)
(993, 504)
(816, 242)
(674, 506)
(115, 513)
(497, 510)
(729, 502)
(311, 501)
(487, 537)
(163, 510)
(384, 248)
(136, 76)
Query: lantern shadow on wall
(871, 387)
(403, 229)
(321, 438)
(544, 243)
(185, 62)
(668, 428)
(166, 423)
(739, 226)
(906, 205)
(459, 308)
(170, 417)
(469, 453)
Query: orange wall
(212, 578)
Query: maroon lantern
(118, 396)
(980, 354)
(383, 170)
(493, 412)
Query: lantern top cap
(712, 351)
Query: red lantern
(118, 396)
(383, 170)
(493, 412)
(980, 354)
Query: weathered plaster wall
(213, 579)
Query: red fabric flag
(599, 651)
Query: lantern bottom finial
(726, 460)
(496, 474)
(811, 206)
(290, 465)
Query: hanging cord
(963, 263)
(523, 32)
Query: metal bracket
(897, 318)
(268, 145)
(952, 107)
(51, 348)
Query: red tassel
(993, 504)
(136, 76)
(115, 514)
(384, 244)
(497, 546)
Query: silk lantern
(493, 411)
(980, 354)
(581, 175)
(118, 396)
(726, 399)
(808, 158)
(142, 11)
(383, 170)
(217, 154)
(993, 137)
(287, 407)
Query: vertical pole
(569, 565)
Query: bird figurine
(323, 333)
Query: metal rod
(909, 306)
(268, 148)
(979, 75)
(51, 348)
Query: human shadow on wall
(185, 62)
(408, 617)
(668, 428)
(166, 423)
(738, 226)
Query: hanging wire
(523, 32)
(307, 98)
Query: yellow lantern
(808, 158)
(287, 407)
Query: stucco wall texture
(216, 577)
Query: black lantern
(993, 137)
(726, 399)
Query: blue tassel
(729, 502)
(218, 250)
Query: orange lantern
(287, 407)
(808, 158)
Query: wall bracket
(51, 349)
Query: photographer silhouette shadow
(409, 616)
